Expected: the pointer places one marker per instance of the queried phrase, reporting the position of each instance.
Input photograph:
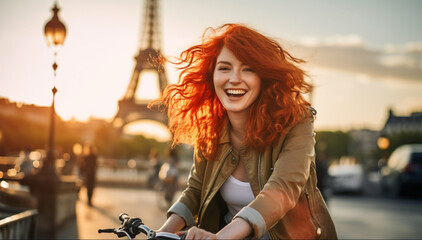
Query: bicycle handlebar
(131, 227)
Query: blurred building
(363, 144)
(37, 114)
(363, 141)
(398, 124)
(34, 120)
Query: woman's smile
(235, 93)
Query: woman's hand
(197, 233)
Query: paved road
(358, 217)
(108, 203)
(355, 217)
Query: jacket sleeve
(282, 191)
(187, 205)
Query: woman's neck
(237, 130)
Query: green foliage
(106, 140)
(66, 136)
(399, 139)
(111, 144)
(19, 133)
(332, 144)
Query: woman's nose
(235, 78)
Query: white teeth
(235, 91)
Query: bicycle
(131, 227)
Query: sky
(364, 57)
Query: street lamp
(54, 30)
(383, 143)
(55, 33)
(56, 198)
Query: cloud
(349, 40)
(349, 53)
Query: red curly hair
(195, 113)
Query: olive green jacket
(287, 202)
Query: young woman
(239, 102)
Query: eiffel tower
(130, 108)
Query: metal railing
(20, 225)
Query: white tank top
(236, 194)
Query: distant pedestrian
(169, 175)
(321, 167)
(25, 163)
(89, 171)
(155, 165)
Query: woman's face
(236, 84)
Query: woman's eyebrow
(224, 62)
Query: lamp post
(56, 198)
(383, 143)
(55, 33)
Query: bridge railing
(17, 225)
(113, 172)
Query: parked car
(346, 178)
(403, 172)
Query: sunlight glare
(149, 129)
(149, 87)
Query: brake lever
(119, 232)
(122, 233)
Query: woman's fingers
(197, 233)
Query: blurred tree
(402, 138)
(19, 133)
(67, 135)
(106, 140)
(332, 144)
(111, 144)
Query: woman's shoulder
(306, 121)
(303, 127)
(306, 124)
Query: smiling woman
(239, 101)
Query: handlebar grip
(106, 230)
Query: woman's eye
(223, 68)
(248, 70)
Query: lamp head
(55, 30)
